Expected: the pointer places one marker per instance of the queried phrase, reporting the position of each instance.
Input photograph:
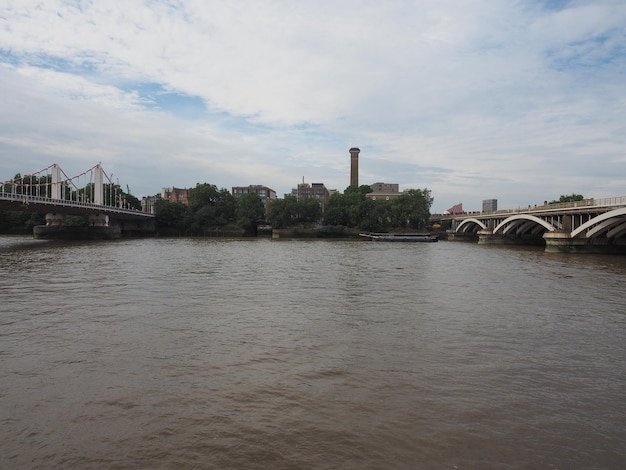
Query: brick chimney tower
(354, 166)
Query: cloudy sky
(520, 101)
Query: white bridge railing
(615, 202)
(27, 199)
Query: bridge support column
(98, 229)
(562, 242)
(98, 196)
(486, 237)
(55, 188)
(566, 223)
(461, 237)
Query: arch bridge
(591, 225)
(91, 193)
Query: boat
(399, 237)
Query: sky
(519, 101)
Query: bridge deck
(21, 202)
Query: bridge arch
(470, 225)
(522, 224)
(612, 223)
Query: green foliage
(20, 221)
(309, 211)
(211, 210)
(412, 209)
(249, 211)
(354, 209)
(170, 217)
(568, 198)
(283, 212)
(350, 208)
(209, 207)
(292, 212)
(132, 202)
(378, 218)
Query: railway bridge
(590, 225)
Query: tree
(569, 198)
(249, 210)
(412, 209)
(292, 211)
(350, 208)
(210, 207)
(335, 213)
(309, 210)
(203, 195)
(378, 218)
(284, 212)
(170, 217)
(20, 221)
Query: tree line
(213, 210)
(210, 210)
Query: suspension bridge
(91, 194)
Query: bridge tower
(354, 166)
(55, 190)
(98, 196)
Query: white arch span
(502, 226)
(613, 221)
(470, 220)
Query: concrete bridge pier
(562, 242)
(466, 237)
(98, 228)
(486, 237)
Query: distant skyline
(518, 101)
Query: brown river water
(260, 354)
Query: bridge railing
(26, 198)
(619, 201)
(49, 200)
(602, 202)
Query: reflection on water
(303, 354)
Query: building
(385, 188)
(456, 209)
(317, 190)
(147, 203)
(176, 195)
(490, 205)
(354, 166)
(267, 195)
(384, 191)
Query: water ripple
(226, 354)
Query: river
(259, 354)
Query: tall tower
(354, 166)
